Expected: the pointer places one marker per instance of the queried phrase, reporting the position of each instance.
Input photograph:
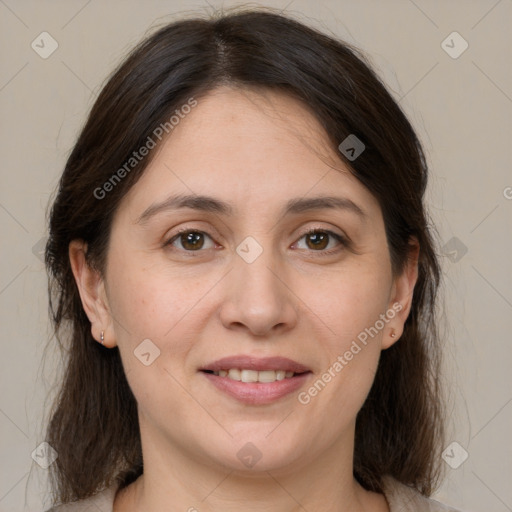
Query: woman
(241, 257)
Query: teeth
(267, 376)
(234, 374)
(254, 376)
(249, 376)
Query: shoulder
(402, 498)
(100, 502)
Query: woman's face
(245, 281)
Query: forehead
(253, 149)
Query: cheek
(149, 312)
(350, 306)
(147, 299)
(347, 301)
(341, 386)
(151, 303)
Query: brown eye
(190, 240)
(317, 240)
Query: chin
(257, 453)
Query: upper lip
(246, 362)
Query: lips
(256, 381)
(243, 362)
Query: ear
(92, 293)
(401, 295)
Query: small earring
(102, 337)
(393, 334)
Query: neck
(175, 479)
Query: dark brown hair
(94, 425)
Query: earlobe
(402, 295)
(92, 291)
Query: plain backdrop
(459, 100)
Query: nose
(257, 298)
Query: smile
(245, 375)
(256, 380)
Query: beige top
(399, 497)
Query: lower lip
(257, 393)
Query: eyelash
(344, 242)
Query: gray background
(461, 108)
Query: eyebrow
(213, 205)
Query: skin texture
(256, 150)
